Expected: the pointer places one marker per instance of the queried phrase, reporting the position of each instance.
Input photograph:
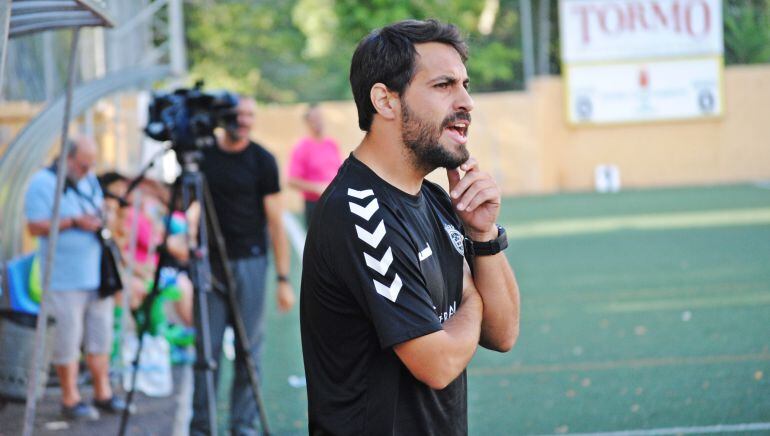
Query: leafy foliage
(299, 50)
(254, 47)
(494, 57)
(747, 31)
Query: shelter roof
(28, 16)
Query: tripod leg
(205, 365)
(242, 337)
(146, 308)
(200, 274)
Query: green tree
(747, 31)
(495, 58)
(300, 50)
(255, 48)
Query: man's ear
(385, 102)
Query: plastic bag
(153, 377)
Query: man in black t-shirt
(390, 312)
(243, 179)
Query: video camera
(188, 116)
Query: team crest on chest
(456, 237)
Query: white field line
(721, 428)
(296, 232)
(650, 362)
(684, 303)
(682, 220)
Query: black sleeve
(268, 176)
(377, 262)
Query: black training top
(238, 183)
(380, 267)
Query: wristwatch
(488, 248)
(282, 278)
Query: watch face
(502, 238)
(494, 246)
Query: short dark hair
(108, 178)
(387, 56)
(310, 108)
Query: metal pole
(5, 24)
(544, 37)
(176, 38)
(53, 235)
(525, 7)
(49, 67)
(113, 58)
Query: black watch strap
(282, 278)
(488, 248)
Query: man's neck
(388, 157)
(231, 145)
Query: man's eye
(442, 85)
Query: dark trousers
(309, 208)
(250, 294)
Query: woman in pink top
(314, 161)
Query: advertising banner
(641, 60)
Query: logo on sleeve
(424, 254)
(373, 239)
(381, 266)
(456, 237)
(360, 194)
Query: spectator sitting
(150, 227)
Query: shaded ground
(155, 416)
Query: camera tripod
(191, 184)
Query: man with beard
(243, 179)
(401, 281)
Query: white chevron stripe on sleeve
(424, 254)
(373, 239)
(360, 194)
(381, 266)
(365, 212)
(389, 292)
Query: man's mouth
(457, 127)
(461, 127)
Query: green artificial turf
(622, 327)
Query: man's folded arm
(438, 358)
(499, 291)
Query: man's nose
(464, 101)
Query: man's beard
(233, 134)
(421, 138)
